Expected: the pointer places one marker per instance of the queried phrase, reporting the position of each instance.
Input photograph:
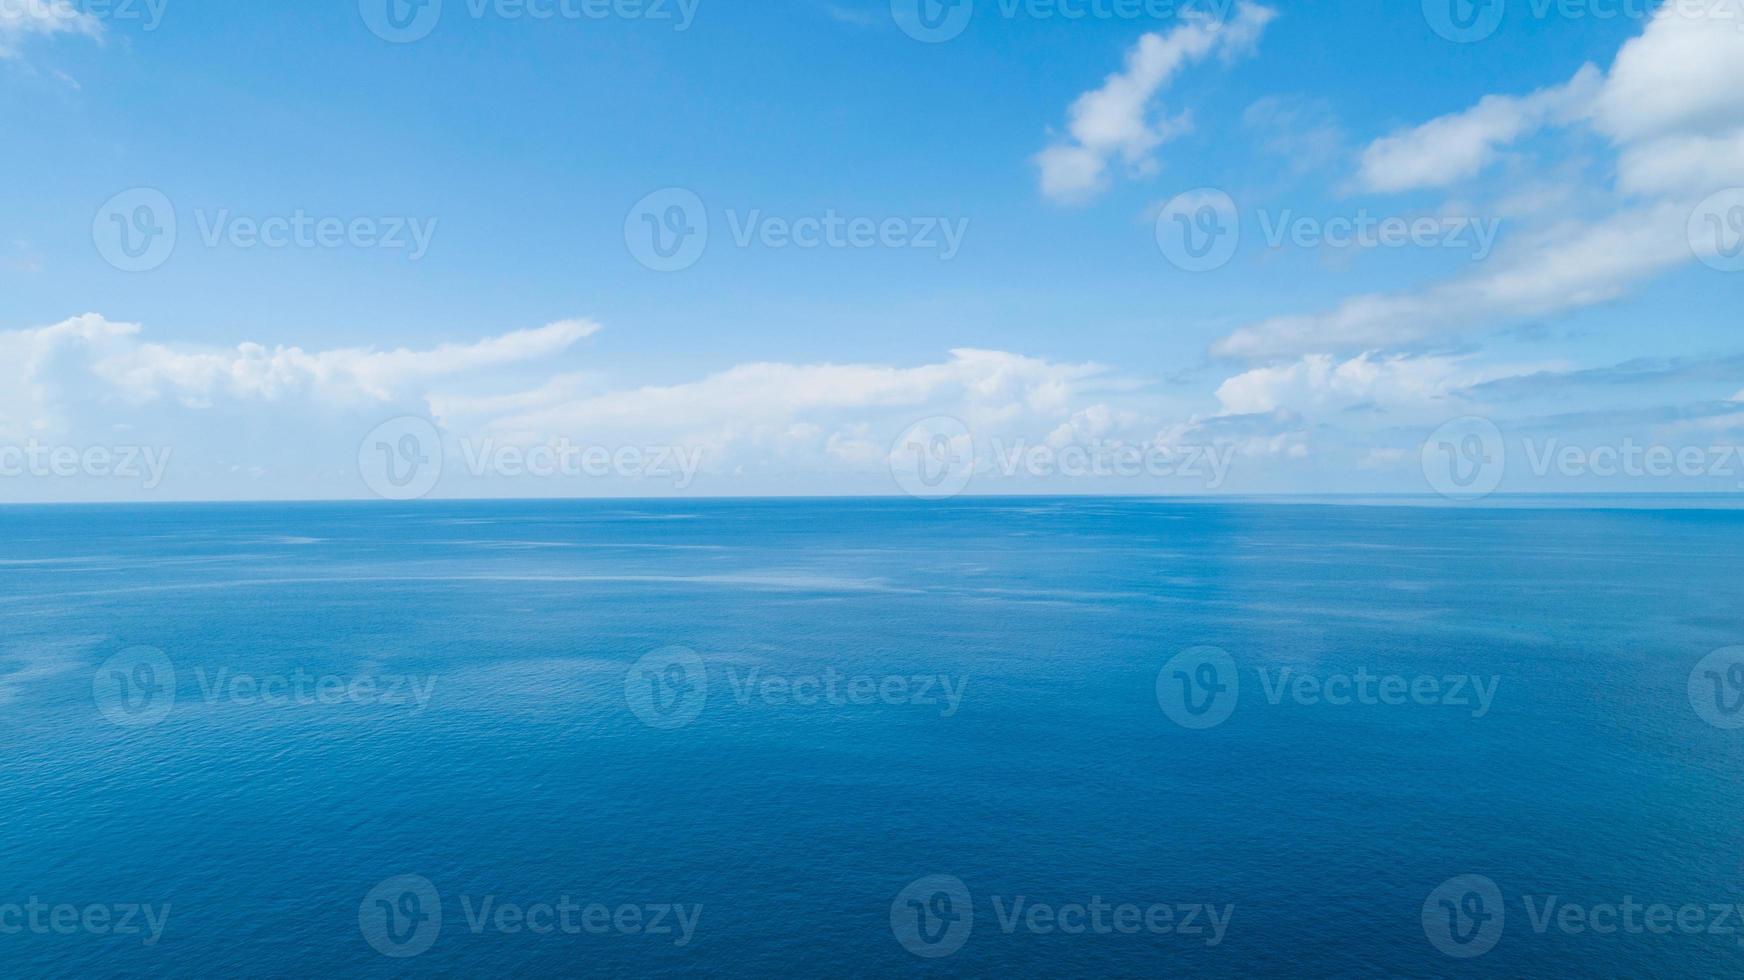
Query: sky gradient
(587, 248)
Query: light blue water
(528, 774)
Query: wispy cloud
(1458, 147)
(1121, 119)
(1672, 106)
(22, 19)
(88, 360)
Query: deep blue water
(528, 773)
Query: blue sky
(1559, 161)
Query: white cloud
(257, 420)
(985, 388)
(254, 371)
(1677, 134)
(1322, 383)
(88, 360)
(1120, 120)
(20, 19)
(1568, 266)
(1458, 147)
(1671, 165)
(1684, 74)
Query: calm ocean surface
(738, 738)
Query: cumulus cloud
(1684, 74)
(1120, 120)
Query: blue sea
(1028, 737)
